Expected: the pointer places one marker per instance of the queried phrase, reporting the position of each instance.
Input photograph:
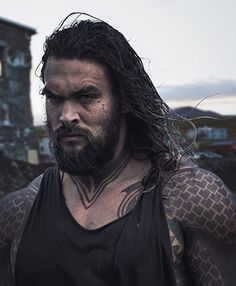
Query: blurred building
(17, 134)
(44, 154)
(210, 133)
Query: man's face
(83, 117)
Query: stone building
(17, 135)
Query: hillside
(208, 118)
(191, 112)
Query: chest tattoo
(132, 195)
(89, 189)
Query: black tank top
(57, 250)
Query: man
(123, 205)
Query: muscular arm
(14, 209)
(203, 212)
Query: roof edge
(32, 31)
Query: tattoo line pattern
(90, 192)
(197, 200)
(14, 209)
(130, 200)
(201, 263)
(194, 199)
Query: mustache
(65, 131)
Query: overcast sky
(188, 46)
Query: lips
(71, 137)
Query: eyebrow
(45, 91)
(83, 91)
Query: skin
(200, 210)
(79, 93)
(192, 198)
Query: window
(1, 61)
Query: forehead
(67, 72)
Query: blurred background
(187, 47)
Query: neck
(91, 186)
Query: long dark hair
(152, 129)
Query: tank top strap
(145, 238)
(46, 201)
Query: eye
(86, 98)
(53, 99)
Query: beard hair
(98, 152)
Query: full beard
(95, 155)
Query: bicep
(8, 221)
(211, 261)
(210, 239)
(14, 209)
(206, 212)
(182, 275)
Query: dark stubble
(96, 155)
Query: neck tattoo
(90, 188)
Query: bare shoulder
(14, 208)
(201, 214)
(199, 198)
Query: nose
(69, 113)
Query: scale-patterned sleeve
(14, 209)
(205, 211)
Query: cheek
(108, 108)
(99, 112)
(97, 120)
(53, 115)
(105, 112)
